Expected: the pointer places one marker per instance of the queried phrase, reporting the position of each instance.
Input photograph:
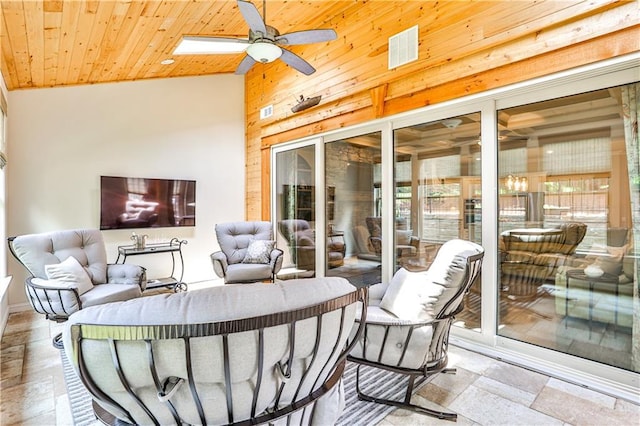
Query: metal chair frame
(165, 388)
(431, 368)
(38, 294)
(51, 294)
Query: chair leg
(406, 404)
(57, 341)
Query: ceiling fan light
(451, 123)
(264, 52)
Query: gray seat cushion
(107, 293)
(247, 272)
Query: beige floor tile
(517, 377)
(444, 388)
(9, 353)
(628, 407)
(470, 361)
(25, 323)
(403, 417)
(584, 393)
(45, 419)
(63, 411)
(580, 411)
(11, 368)
(487, 408)
(27, 401)
(24, 337)
(509, 392)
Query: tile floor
(483, 392)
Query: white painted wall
(4, 281)
(61, 140)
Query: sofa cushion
(70, 273)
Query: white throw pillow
(259, 251)
(70, 271)
(608, 258)
(407, 295)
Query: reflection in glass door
(295, 211)
(437, 181)
(568, 277)
(353, 248)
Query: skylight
(208, 45)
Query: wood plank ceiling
(71, 42)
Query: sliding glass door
(566, 213)
(294, 204)
(353, 203)
(546, 176)
(438, 194)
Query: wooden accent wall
(464, 48)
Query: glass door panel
(438, 194)
(567, 259)
(295, 211)
(353, 203)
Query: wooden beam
(377, 99)
(608, 46)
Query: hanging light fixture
(516, 183)
(264, 52)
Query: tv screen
(127, 202)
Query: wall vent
(403, 47)
(266, 112)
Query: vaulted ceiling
(70, 42)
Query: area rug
(386, 384)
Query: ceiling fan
(265, 43)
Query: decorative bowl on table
(593, 271)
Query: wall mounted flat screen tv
(127, 202)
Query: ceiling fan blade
(199, 45)
(306, 37)
(252, 16)
(295, 61)
(245, 65)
